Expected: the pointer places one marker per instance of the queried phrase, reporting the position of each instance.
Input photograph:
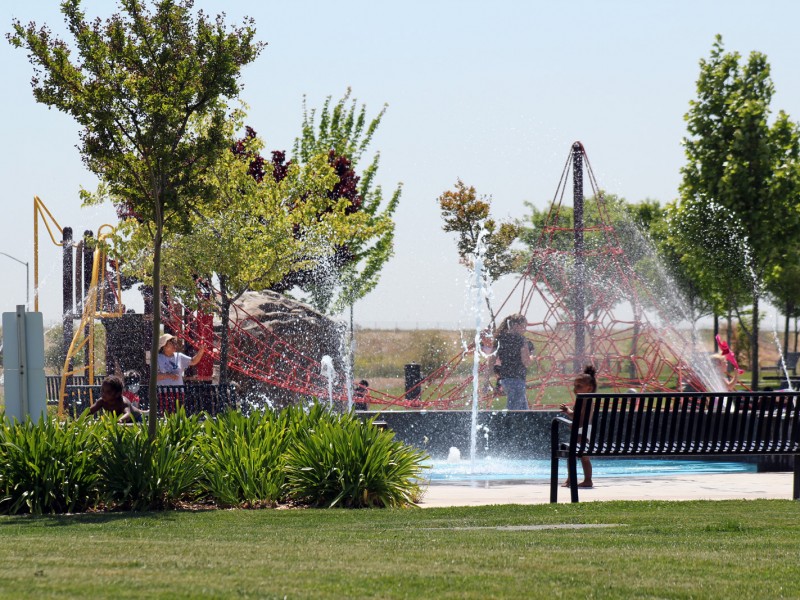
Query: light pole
(27, 280)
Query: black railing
(53, 384)
(193, 397)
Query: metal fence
(194, 398)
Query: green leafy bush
(305, 455)
(344, 462)
(47, 466)
(243, 464)
(136, 474)
(244, 456)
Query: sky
(491, 93)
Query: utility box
(23, 365)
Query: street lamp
(27, 279)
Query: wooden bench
(687, 425)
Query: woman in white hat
(171, 363)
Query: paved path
(749, 486)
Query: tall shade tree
(737, 160)
(702, 240)
(615, 212)
(262, 228)
(679, 281)
(343, 133)
(139, 80)
(783, 286)
(468, 215)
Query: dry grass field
(381, 354)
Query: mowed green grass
(731, 549)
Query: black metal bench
(678, 425)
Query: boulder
(300, 337)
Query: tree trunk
(152, 389)
(786, 328)
(729, 334)
(716, 331)
(754, 342)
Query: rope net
(610, 318)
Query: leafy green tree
(140, 80)
(655, 221)
(468, 215)
(702, 241)
(783, 286)
(343, 134)
(554, 229)
(247, 237)
(737, 160)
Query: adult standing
(512, 357)
(171, 363)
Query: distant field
(382, 354)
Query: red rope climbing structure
(584, 302)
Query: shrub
(344, 462)
(47, 466)
(136, 474)
(243, 464)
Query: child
(585, 383)
(720, 362)
(360, 395)
(111, 400)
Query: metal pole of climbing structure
(579, 299)
(82, 292)
(35, 257)
(68, 281)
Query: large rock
(304, 335)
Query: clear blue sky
(493, 93)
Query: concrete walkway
(748, 486)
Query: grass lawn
(731, 549)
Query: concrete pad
(729, 486)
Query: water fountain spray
(327, 371)
(479, 292)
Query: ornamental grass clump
(243, 458)
(137, 474)
(344, 462)
(47, 466)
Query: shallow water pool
(488, 469)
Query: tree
(262, 228)
(140, 80)
(736, 160)
(469, 216)
(616, 213)
(783, 285)
(703, 244)
(679, 280)
(343, 134)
